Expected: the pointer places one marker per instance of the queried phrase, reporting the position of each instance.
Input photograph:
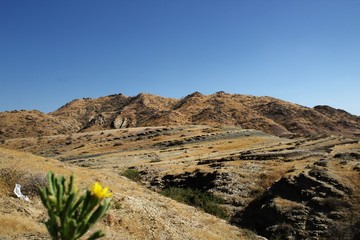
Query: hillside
(267, 114)
(15, 124)
(136, 213)
(299, 188)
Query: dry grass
(159, 217)
(143, 214)
(30, 182)
(17, 225)
(286, 204)
(267, 179)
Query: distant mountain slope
(18, 124)
(268, 114)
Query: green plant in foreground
(71, 215)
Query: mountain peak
(267, 114)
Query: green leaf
(44, 199)
(75, 210)
(66, 209)
(52, 229)
(100, 212)
(71, 185)
(84, 227)
(69, 230)
(96, 235)
(51, 182)
(59, 193)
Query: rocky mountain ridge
(117, 111)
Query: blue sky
(306, 52)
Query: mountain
(302, 183)
(267, 114)
(17, 124)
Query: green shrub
(117, 205)
(201, 199)
(71, 215)
(131, 174)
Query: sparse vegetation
(30, 182)
(201, 199)
(222, 154)
(256, 191)
(131, 174)
(116, 205)
(265, 181)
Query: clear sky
(306, 52)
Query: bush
(30, 183)
(33, 183)
(194, 197)
(131, 174)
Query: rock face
(120, 122)
(267, 114)
(318, 203)
(195, 180)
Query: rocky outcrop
(314, 204)
(195, 180)
(96, 120)
(120, 122)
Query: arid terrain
(281, 170)
(266, 114)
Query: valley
(308, 185)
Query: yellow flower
(99, 191)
